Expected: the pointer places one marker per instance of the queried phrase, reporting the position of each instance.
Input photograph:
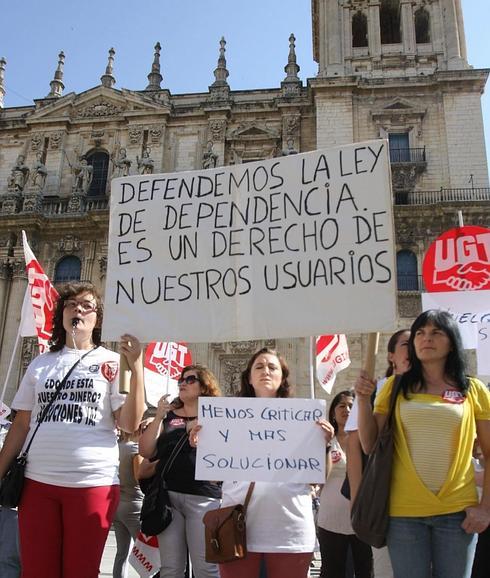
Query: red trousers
(278, 565)
(63, 530)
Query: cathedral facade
(394, 69)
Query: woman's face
(189, 386)
(431, 344)
(342, 409)
(399, 358)
(82, 307)
(266, 375)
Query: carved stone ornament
(231, 371)
(243, 346)
(103, 266)
(11, 203)
(217, 129)
(99, 109)
(32, 202)
(290, 89)
(19, 269)
(55, 140)
(30, 350)
(291, 125)
(404, 176)
(76, 204)
(5, 269)
(69, 244)
(155, 134)
(135, 134)
(36, 141)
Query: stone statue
(19, 175)
(83, 175)
(290, 150)
(122, 163)
(209, 157)
(145, 163)
(39, 172)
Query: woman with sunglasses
(71, 489)
(434, 508)
(190, 499)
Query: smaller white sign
(483, 350)
(4, 413)
(261, 439)
(469, 309)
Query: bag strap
(170, 462)
(393, 397)
(248, 496)
(59, 387)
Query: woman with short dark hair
(72, 489)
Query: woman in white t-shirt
(71, 489)
(280, 526)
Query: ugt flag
(145, 555)
(43, 297)
(164, 361)
(332, 355)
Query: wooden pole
(124, 374)
(371, 353)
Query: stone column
(347, 39)
(13, 316)
(5, 271)
(335, 65)
(374, 31)
(408, 28)
(462, 36)
(451, 33)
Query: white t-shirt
(279, 515)
(351, 423)
(76, 445)
(334, 513)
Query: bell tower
(386, 38)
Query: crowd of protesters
(81, 478)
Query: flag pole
(312, 371)
(11, 363)
(371, 353)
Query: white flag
(332, 355)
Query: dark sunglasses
(189, 380)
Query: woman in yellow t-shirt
(434, 508)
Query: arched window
(406, 267)
(389, 21)
(100, 163)
(359, 30)
(68, 269)
(422, 26)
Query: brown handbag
(370, 510)
(225, 532)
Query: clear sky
(189, 31)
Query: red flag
(164, 361)
(43, 297)
(145, 555)
(332, 355)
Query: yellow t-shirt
(409, 495)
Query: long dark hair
(246, 388)
(455, 367)
(335, 402)
(392, 343)
(68, 291)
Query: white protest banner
(483, 350)
(4, 413)
(260, 439)
(145, 555)
(469, 309)
(286, 247)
